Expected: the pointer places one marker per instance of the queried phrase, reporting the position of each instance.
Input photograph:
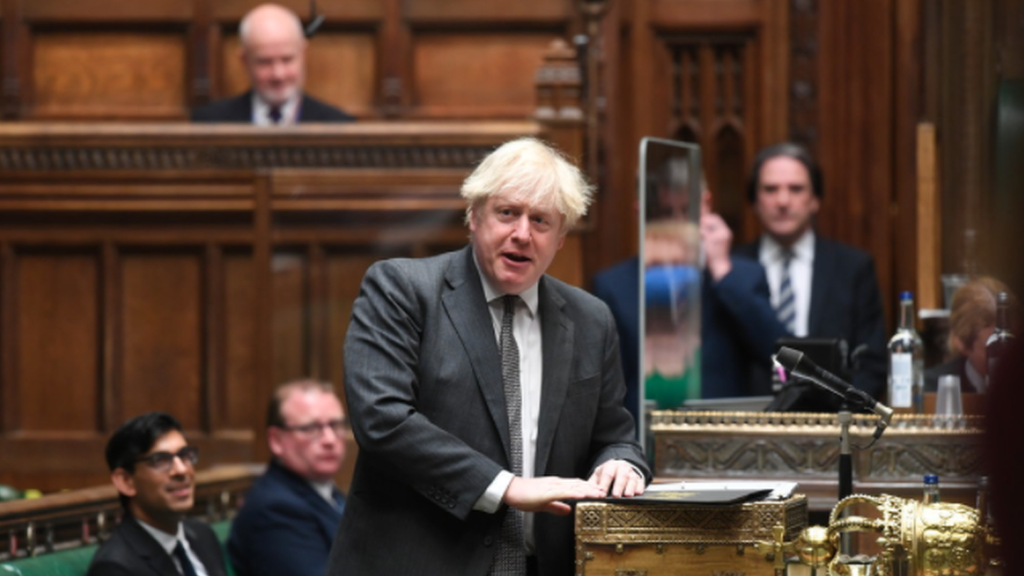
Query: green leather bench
(75, 562)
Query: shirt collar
(975, 377)
(802, 249)
(528, 296)
(261, 109)
(167, 541)
(324, 489)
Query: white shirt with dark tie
(772, 256)
(261, 112)
(170, 541)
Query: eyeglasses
(164, 461)
(315, 430)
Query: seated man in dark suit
(153, 468)
(274, 54)
(819, 287)
(291, 514)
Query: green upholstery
(75, 562)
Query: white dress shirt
(326, 491)
(261, 112)
(801, 269)
(170, 541)
(526, 330)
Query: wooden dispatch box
(659, 539)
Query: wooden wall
(192, 268)
(845, 77)
(850, 78)
(120, 59)
(969, 49)
(840, 77)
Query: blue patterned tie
(511, 557)
(785, 309)
(274, 114)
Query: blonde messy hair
(973, 309)
(528, 170)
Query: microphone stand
(845, 467)
(845, 452)
(794, 362)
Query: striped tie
(785, 309)
(511, 557)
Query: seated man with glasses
(290, 515)
(153, 468)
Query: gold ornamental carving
(767, 445)
(940, 539)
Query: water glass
(948, 403)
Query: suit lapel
(821, 273)
(326, 514)
(558, 344)
(211, 562)
(466, 308)
(242, 110)
(148, 549)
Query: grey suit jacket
(423, 384)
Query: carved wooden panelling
(291, 314)
(124, 158)
(803, 103)
(161, 336)
(341, 69)
(712, 97)
(128, 286)
(473, 10)
(109, 74)
(237, 338)
(106, 10)
(447, 65)
(57, 335)
(232, 10)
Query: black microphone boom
(316, 20)
(800, 366)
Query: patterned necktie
(274, 114)
(785, 309)
(511, 557)
(186, 565)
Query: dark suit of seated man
(273, 52)
(291, 514)
(153, 468)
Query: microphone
(316, 22)
(794, 362)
